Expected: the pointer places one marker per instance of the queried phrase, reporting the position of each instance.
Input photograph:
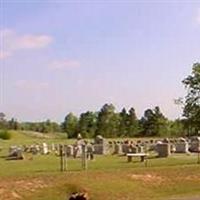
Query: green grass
(108, 177)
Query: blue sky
(72, 56)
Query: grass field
(108, 177)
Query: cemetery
(73, 168)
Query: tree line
(106, 122)
(110, 123)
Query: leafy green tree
(3, 122)
(154, 123)
(123, 125)
(176, 128)
(133, 124)
(87, 124)
(2, 116)
(13, 124)
(192, 100)
(108, 121)
(70, 125)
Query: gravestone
(117, 148)
(125, 147)
(90, 151)
(132, 149)
(45, 148)
(77, 150)
(140, 149)
(195, 144)
(15, 153)
(163, 150)
(100, 145)
(182, 146)
(70, 150)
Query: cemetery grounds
(37, 177)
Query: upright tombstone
(77, 150)
(34, 150)
(195, 144)
(132, 148)
(70, 150)
(182, 146)
(125, 147)
(45, 148)
(163, 150)
(117, 148)
(100, 145)
(140, 149)
(90, 151)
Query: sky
(61, 56)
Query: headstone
(44, 148)
(101, 146)
(70, 150)
(172, 148)
(182, 146)
(163, 150)
(195, 144)
(90, 151)
(132, 149)
(140, 149)
(77, 150)
(125, 148)
(117, 148)
(15, 153)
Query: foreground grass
(108, 177)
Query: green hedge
(5, 135)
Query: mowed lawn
(107, 177)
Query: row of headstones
(163, 148)
(101, 146)
(44, 149)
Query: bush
(5, 135)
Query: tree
(70, 125)
(3, 123)
(133, 125)
(192, 100)
(108, 121)
(123, 125)
(154, 123)
(13, 124)
(87, 124)
(176, 128)
(2, 116)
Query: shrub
(5, 135)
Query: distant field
(108, 177)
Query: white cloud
(12, 42)
(31, 85)
(32, 42)
(64, 64)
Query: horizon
(61, 57)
